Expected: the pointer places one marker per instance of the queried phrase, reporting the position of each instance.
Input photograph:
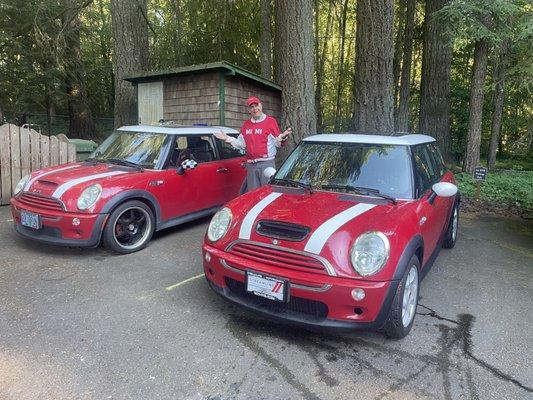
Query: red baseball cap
(252, 100)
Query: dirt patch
(470, 205)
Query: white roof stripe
(406, 140)
(67, 185)
(321, 235)
(248, 221)
(177, 129)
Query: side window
(198, 148)
(227, 150)
(440, 168)
(425, 174)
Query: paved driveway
(88, 324)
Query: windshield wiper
(304, 185)
(126, 163)
(360, 190)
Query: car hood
(57, 181)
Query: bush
(507, 188)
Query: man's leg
(252, 181)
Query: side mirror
(269, 172)
(442, 189)
(185, 165)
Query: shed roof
(222, 66)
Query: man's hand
(221, 135)
(285, 135)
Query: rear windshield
(386, 168)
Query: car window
(385, 168)
(425, 174)
(226, 150)
(189, 147)
(436, 156)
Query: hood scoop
(282, 230)
(47, 184)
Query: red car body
(304, 238)
(173, 196)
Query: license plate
(30, 220)
(267, 286)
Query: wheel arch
(415, 246)
(139, 195)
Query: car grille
(47, 203)
(309, 309)
(278, 257)
(282, 230)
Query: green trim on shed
(222, 66)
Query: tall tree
(402, 117)
(374, 93)
(498, 100)
(81, 123)
(266, 40)
(294, 20)
(130, 34)
(340, 79)
(434, 114)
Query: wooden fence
(25, 150)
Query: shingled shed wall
(238, 90)
(192, 99)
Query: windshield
(345, 166)
(141, 148)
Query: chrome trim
(324, 288)
(329, 268)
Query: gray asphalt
(88, 324)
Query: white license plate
(30, 220)
(267, 286)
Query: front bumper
(315, 300)
(57, 227)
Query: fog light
(358, 294)
(207, 257)
(75, 221)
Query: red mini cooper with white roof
(342, 235)
(139, 180)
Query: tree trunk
(296, 72)
(105, 53)
(266, 40)
(397, 62)
(81, 124)
(178, 18)
(130, 35)
(374, 93)
(340, 79)
(434, 116)
(498, 100)
(320, 61)
(402, 120)
(479, 72)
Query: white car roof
(178, 129)
(406, 140)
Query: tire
(129, 227)
(453, 227)
(403, 309)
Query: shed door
(150, 99)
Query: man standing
(260, 136)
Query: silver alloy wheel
(455, 223)
(132, 228)
(410, 296)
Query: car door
(195, 189)
(431, 210)
(232, 170)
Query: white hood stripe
(31, 181)
(249, 219)
(66, 186)
(321, 235)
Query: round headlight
(369, 253)
(219, 224)
(89, 196)
(21, 184)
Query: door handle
(222, 169)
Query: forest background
(461, 70)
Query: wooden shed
(212, 94)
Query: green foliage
(512, 189)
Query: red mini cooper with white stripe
(139, 180)
(342, 235)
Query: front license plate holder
(30, 220)
(266, 286)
